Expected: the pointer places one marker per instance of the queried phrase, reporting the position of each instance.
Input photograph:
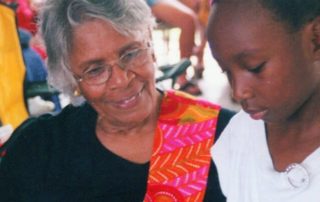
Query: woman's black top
(58, 158)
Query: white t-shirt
(246, 171)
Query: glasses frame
(109, 66)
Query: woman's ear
(149, 44)
(153, 56)
(316, 36)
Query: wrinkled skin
(129, 98)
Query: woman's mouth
(129, 102)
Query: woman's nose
(120, 77)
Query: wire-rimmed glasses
(99, 73)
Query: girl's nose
(241, 89)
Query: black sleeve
(223, 119)
(213, 192)
(13, 162)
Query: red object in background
(26, 16)
(27, 19)
(40, 51)
(2, 154)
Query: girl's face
(272, 72)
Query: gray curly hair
(58, 18)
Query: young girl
(270, 51)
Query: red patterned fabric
(180, 161)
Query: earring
(154, 57)
(76, 92)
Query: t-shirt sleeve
(221, 152)
(220, 156)
(224, 150)
(213, 192)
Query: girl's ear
(316, 36)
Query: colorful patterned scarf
(180, 160)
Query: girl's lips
(256, 115)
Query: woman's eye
(127, 57)
(95, 71)
(257, 69)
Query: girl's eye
(257, 69)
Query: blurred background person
(175, 13)
(201, 8)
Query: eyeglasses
(98, 74)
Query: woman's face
(128, 96)
(271, 72)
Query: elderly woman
(125, 141)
